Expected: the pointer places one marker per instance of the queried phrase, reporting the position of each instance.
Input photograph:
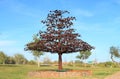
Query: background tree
(3, 57)
(84, 55)
(59, 36)
(114, 51)
(20, 59)
(10, 60)
(31, 62)
(36, 53)
(47, 60)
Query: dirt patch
(54, 74)
(114, 76)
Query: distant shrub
(31, 62)
(10, 60)
(108, 64)
(78, 61)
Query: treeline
(16, 59)
(20, 59)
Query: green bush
(31, 62)
(108, 64)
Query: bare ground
(114, 76)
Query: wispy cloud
(4, 35)
(84, 13)
(19, 7)
(117, 2)
(6, 42)
(93, 28)
(103, 7)
(116, 20)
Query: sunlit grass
(21, 71)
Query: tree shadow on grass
(103, 73)
(8, 65)
(63, 70)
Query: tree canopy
(3, 57)
(19, 58)
(36, 53)
(59, 36)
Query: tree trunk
(3, 62)
(113, 59)
(38, 62)
(60, 61)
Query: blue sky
(98, 22)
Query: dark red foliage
(59, 37)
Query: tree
(36, 53)
(46, 60)
(10, 60)
(3, 57)
(84, 55)
(32, 62)
(59, 36)
(114, 51)
(20, 59)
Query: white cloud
(117, 2)
(85, 13)
(19, 7)
(98, 28)
(4, 35)
(6, 43)
(116, 20)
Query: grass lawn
(21, 71)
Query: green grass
(21, 71)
